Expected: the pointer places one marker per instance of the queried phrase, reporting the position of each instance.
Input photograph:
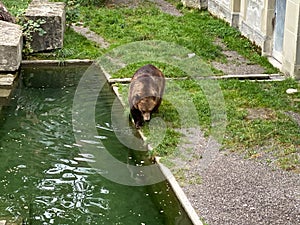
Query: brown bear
(145, 93)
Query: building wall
(256, 19)
(291, 42)
(225, 9)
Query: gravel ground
(225, 188)
(237, 191)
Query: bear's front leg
(137, 118)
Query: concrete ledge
(253, 77)
(180, 194)
(7, 80)
(11, 44)
(5, 95)
(57, 62)
(10, 221)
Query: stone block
(197, 4)
(11, 44)
(53, 15)
(7, 80)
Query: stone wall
(251, 24)
(11, 44)
(227, 10)
(291, 43)
(220, 8)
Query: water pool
(46, 179)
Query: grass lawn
(258, 121)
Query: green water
(46, 179)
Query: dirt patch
(295, 116)
(236, 64)
(260, 113)
(164, 6)
(90, 35)
(123, 3)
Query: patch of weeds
(72, 10)
(31, 28)
(195, 180)
(290, 162)
(82, 47)
(180, 176)
(247, 94)
(73, 7)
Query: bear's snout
(146, 116)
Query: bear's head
(146, 106)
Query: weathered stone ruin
(52, 15)
(11, 44)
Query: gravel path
(229, 190)
(161, 4)
(237, 191)
(90, 35)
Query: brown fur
(145, 93)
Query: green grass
(16, 7)
(195, 30)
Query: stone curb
(58, 62)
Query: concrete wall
(251, 23)
(256, 19)
(291, 42)
(229, 10)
